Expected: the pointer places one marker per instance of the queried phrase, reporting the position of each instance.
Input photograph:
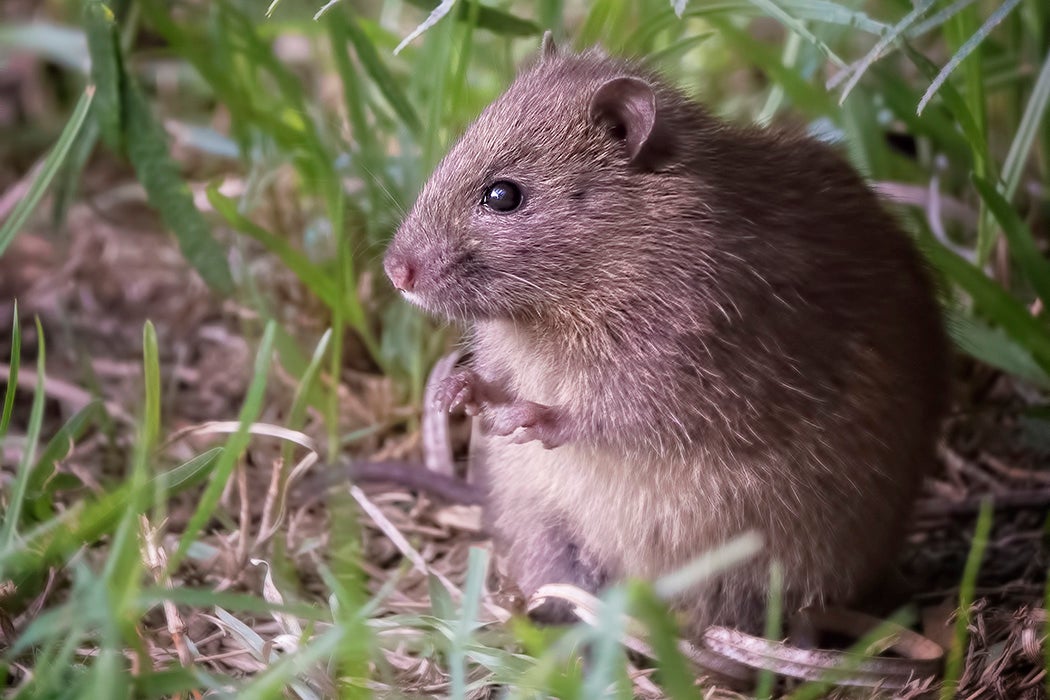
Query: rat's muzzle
(401, 270)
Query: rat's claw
(462, 398)
(457, 390)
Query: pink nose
(401, 273)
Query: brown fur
(728, 334)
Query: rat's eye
(502, 196)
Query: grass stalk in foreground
(50, 167)
(233, 449)
(12, 375)
(774, 618)
(813, 690)
(13, 513)
(953, 666)
(1046, 625)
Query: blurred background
(230, 173)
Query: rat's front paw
(526, 421)
(458, 389)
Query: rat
(682, 330)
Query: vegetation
(301, 135)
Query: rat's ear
(548, 49)
(629, 106)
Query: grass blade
(477, 569)
(676, 678)
(1023, 248)
(124, 567)
(995, 302)
(604, 17)
(940, 17)
(55, 158)
(488, 17)
(935, 124)
(272, 682)
(16, 501)
(235, 445)
(59, 446)
(953, 665)
(1046, 627)
(381, 76)
(54, 542)
(607, 671)
(126, 110)
(1024, 137)
(348, 584)
(106, 72)
(433, 18)
(303, 392)
(966, 49)
(675, 51)
(994, 348)
(12, 375)
(712, 562)
(311, 275)
(774, 615)
(771, 8)
(151, 368)
(955, 103)
(789, 57)
(437, 50)
(833, 13)
(803, 94)
(241, 602)
(68, 180)
(371, 160)
(861, 67)
(148, 151)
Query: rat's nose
(402, 273)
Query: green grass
(969, 82)
(46, 173)
(957, 652)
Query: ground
(94, 283)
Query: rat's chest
(530, 369)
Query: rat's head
(541, 204)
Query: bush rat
(682, 330)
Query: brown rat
(682, 330)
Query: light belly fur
(639, 527)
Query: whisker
(382, 186)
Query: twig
(1008, 500)
(273, 495)
(998, 466)
(301, 467)
(156, 560)
(406, 549)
